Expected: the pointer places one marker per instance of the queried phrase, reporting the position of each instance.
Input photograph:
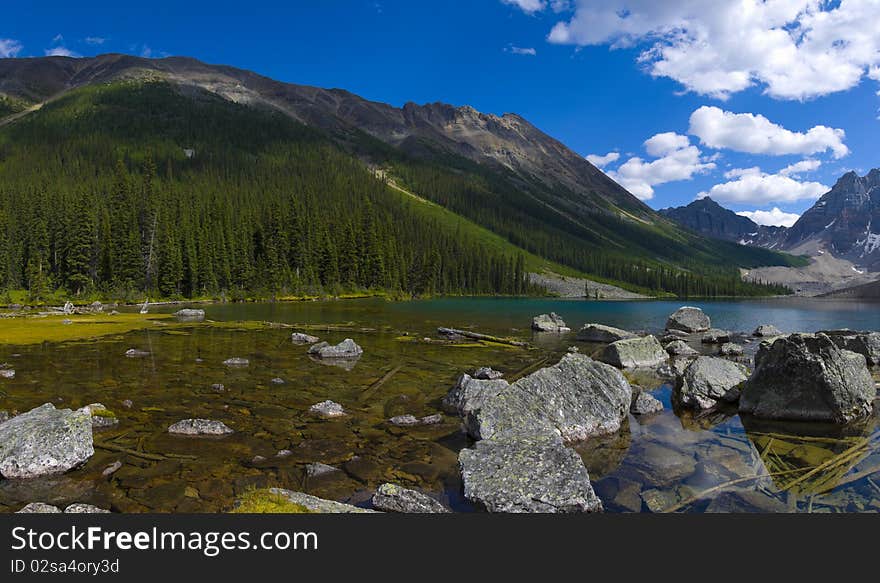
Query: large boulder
(551, 322)
(574, 399)
(469, 393)
(394, 498)
(865, 343)
(688, 319)
(45, 441)
(348, 348)
(807, 377)
(527, 476)
(602, 333)
(634, 353)
(708, 380)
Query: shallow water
(653, 464)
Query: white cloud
(752, 186)
(58, 38)
(95, 40)
(9, 48)
(773, 218)
(794, 49)
(755, 134)
(60, 52)
(528, 6)
(602, 161)
(676, 160)
(801, 167)
(521, 51)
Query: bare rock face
(551, 322)
(394, 498)
(807, 377)
(199, 427)
(602, 333)
(688, 319)
(708, 380)
(634, 353)
(45, 441)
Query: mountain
(707, 217)
(149, 140)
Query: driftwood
(154, 457)
(704, 493)
(378, 384)
(478, 336)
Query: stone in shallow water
(199, 427)
(680, 348)
(44, 441)
(730, 349)
(39, 508)
(487, 374)
(715, 336)
(688, 319)
(551, 322)
(101, 416)
(394, 498)
(301, 338)
(278, 381)
(190, 315)
(404, 420)
(80, 508)
(319, 505)
(807, 377)
(645, 404)
(236, 362)
(317, 469)
(708, 380)
(767, 330)
(634, 353)
(136, 353)
(602, 333)
(742, 501)
(348, 348)
(527, 476)
(659, 465)
(7, 373)
(329, 409)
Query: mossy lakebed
(655, 463)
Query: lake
(663, 462)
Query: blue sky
(761, 105)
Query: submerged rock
(394, 498)
(190, 315)
(688, 319)
(527, 476)
(101, 416)
(708, 380)
(318, 505)
(39, 508)
(318, 469)
(348, 348)
(199, 427)
(328, 409)
(44, 441)
(236, 362)
(602, 333)
(551, 322)
(807, 377)
(645, 404)
(715, 336)
(135, 353)
(412, 420)
(680, 348)
(634, 353)
(302, 338)
(765, 330)
(112, 469)
(487, 374)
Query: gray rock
(348, 348)
(576, 398)
(328, 409)
(319, 505)
(7, 373)
(671, 335)
(44, 441)
(602, 333)
(745, 501)
(527, 476)
(865, 343)
(39, 508)
(688, 319)
(112, 469)
(634, 353)
(135, 353)
(190, 315)
(218, 387)
(4, 416)
(317, 469)
(199, 427)
(765, 330)
(708, 380)
(730, 349)
(101, 416)
(432, 419)
(404, 420)
(236, 362)
(484, 373)
(807, 377)
(302, 338)
(80, 508)
(394, 498)
(278, 381)
(680, 348)
(128, 404)
(469, 393)
(549, 323)
(645, 404)
(715, 336)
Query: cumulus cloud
(521, 51)
(801, 167)
(755, 134)
(676, 160)
(772, 218)
(794, 49)
(602, 161)
(60, 52)
(9, 48)
(752, 186)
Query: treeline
(257, 209)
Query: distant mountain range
(706, 216)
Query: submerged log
(477, 336)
